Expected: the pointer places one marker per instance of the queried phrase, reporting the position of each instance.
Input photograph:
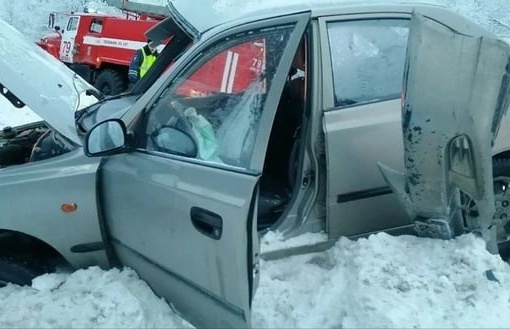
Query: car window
(218, 98)
(231, 71)
(367, 58)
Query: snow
(377, 282)
(11, 116)
(386, 282)
(90, 298)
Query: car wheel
(501, 176)
(501, 173)
(17, 271)
(111, 82)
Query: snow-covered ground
(382, 281)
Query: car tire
(111, 82)
(17, 271)
(501, 179)
(501, 174)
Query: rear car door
(185, 218)
(363, 63)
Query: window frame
(328, 90)
(72, 24)
(94, 23)
(300, 22)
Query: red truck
(98, 47)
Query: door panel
(44, 188)
(155, 233)
(359, 200)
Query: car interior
(281, 162)
(280, 167)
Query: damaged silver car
(250, 120)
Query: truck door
(68, 39)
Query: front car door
(185, 218)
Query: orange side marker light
(68, 207)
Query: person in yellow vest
(142, 60)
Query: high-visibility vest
(147, 62)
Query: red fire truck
(99, 47)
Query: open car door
(181, 205)
(455, 93)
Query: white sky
(378, 282)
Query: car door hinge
(256, 269)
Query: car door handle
(207, 222)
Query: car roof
(214, 14)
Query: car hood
(41, 82)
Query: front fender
(32, 202)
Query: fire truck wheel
(111, 82)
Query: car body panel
(38, 192)
(362, 193)
(356, 188)
(503, 136)
(40, 81)
(199, 274)
(449, 129)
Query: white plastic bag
(204, 135)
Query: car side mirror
(174, 141)
(106, 138)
